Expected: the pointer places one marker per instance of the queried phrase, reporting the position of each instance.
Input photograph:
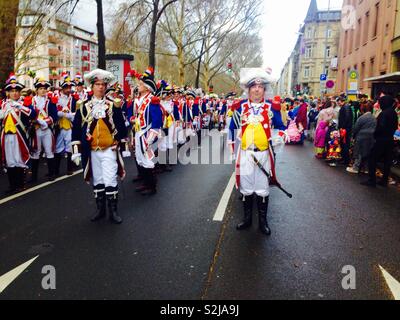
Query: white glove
(1, 114)
(70, 116)
(61, 114)
(126, 154)
(76, 158)
(43, 124)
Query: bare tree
(8, 17)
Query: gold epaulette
(79, 104)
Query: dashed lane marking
(223, 204)
(392, 283)
(9, 277)
(40, 186)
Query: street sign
(323, 77)
(330, 84)
(352, 82)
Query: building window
(362, 74)
(358, 37)
(372, 67)
(376, 24)
(308, 52)
(329, 33)
(328, 51)
(306, 72)
(366, 25)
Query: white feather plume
(99, 74)
(249, 74)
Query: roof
(389, 77)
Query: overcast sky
(281, 21)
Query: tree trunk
(153, 36)
(181, 54)
(8, 19)
(101, 35)
(199, 64)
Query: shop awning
(389, 77)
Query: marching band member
(15, 115)
(255, 158)
(43, 136)
(148, 126)
(66, 107)
(167, 107)
(81, 93)
(99, 134)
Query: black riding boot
(20, 179)
(57, 163)
(262, 204)
(35, 170)
(70, 165)
(143, 173)
(100, 196)
(248, 213)
(168, 167)
(150, 182)
(51, 167)
(112, 200)
(11, 174)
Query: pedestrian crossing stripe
(392, 283)
(9, 277)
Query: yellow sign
(353, 75)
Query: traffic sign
(330, 84)
(323, 77)
(352, 82)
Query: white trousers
(142, 158)
(180, 135)
(105, 167)
(64, 141)
(171, 138)
(13, 153)
(44, 140)
(252, 179)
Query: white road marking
(9, 277)
(40, 186)
(392, 283)
(223, 204)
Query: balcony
(54, 39)
(54, 52)
(54, 65)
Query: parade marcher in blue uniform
(166, 142)
(148, 124)
(99, 136)
(80, 91)
(43, 135)
(251, 128)
(187, 114)
(66, 107)
(15, 115)
(222, 111)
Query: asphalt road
(169, 247)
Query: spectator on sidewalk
(319, 141)
(384, 141)
(363, 134)
(346, 125)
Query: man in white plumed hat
(98, 138)
(251, 127)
